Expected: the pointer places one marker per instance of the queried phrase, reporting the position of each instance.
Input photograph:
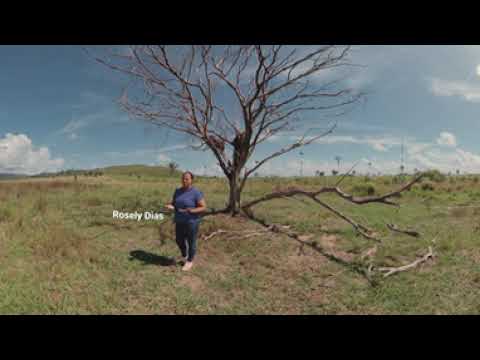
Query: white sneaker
(188, 265)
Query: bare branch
(413, 233)
(298, 144)
(393, 270)
(362, 230)
(384, 199)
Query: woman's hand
(187, 210)
(170, 207)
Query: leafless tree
(173, 166)
(231, 99)
(193, 89)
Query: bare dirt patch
(330, 244)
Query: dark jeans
(186, 234)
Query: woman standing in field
(188, 202)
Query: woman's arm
(170, 205)
(201, 206)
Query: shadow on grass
(151, 259)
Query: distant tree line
(92, 173)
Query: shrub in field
(398, 179)
(364, 189)
(435, 176)
(428, 186)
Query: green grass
(62, 253)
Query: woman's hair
(188, 172)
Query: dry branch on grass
(393, 270)
(413, 233)
(211, 235)
(241, 234)
(246, 210)
(360, 200)
(313, 195)
(301, 239)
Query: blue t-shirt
(183, 199)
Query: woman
(188, 203)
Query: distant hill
(8, 176)
(142, 170)
(119, 170)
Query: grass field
(62, 253)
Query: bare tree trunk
(235, 192)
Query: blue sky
(58, 110)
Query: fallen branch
(393, 270)
(362, 230)
(248, 235)
(413, 233)
(357, 268)
(242, 234)
(336, 190)
(214, 234)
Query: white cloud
(478, 70)
(441, 153)
(464, 89)
(73, 125)
(210, 169)
(71, 128)
(292, 167)
(419, 155)
(447, 160)
(381, 143)
(162, 158)
(73, 136)
(18, 155)
(447, 139)
(149, 151)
